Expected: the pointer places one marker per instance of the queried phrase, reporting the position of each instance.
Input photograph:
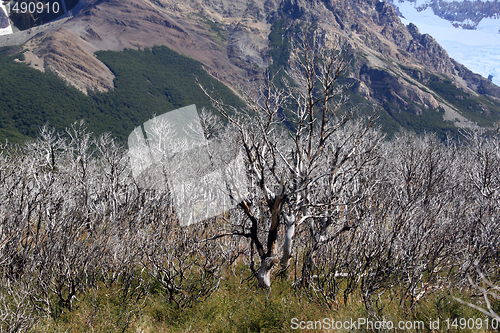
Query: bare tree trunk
(264, 273)
(288, 244)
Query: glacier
(478, 50)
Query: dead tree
(288, 136)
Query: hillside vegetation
(153, 81)
(148, 82)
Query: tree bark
(288, 244)
(264, 273)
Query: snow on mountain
(477, 49)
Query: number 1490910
(471, 323)
(32, 8)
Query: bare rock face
(421, 97)
(115, 25)
(429, 52)
(73, 60)
(246, 49)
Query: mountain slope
(406, 75)
(147, 82)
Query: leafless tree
(489, 291)
(480, 177)
(72, 216)
(297, 170)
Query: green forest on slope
(153, 81)
(148, 82)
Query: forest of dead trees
(420, 214)
(332, 206)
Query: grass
(240, 306)
(217, 29)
